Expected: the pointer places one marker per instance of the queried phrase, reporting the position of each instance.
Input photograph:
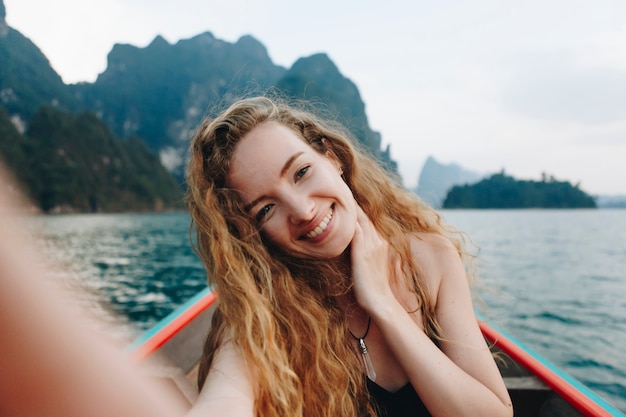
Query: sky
(531, 87)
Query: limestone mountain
(159, 93)
(436, 179)
(162, 91)
(317, 78)
(27, 81)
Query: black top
(403, 403)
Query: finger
(363, 219)
(360, 214)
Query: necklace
(369, 366)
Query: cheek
(350, 201)
(353, 212)
(273, 232)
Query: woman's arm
(52, 361)
(461, 378)
(228, 389)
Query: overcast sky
(529, 86)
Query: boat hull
(171, 351)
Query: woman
(340, 294)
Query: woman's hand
(370, 265)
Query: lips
(320, 227)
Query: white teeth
(320, 227)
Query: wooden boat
(171, 350)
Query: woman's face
(294, 193)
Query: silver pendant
(369, 366)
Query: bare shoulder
(434, 253)
(432, 244)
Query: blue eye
(301, 172)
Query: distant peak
(320, 57)
(3, 10)
(205, 35)
(432, 162)
(248, 39)
(252, 46)
(319, 63)
(159, 41)
(205, 38)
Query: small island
(501, 191)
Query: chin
(318, 254)
(335, 253)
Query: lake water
(555, 279)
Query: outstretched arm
(228, 389)
(52, 362)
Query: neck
(343, 263)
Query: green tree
(73, 162)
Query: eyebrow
(283, 172)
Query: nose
(301, 209)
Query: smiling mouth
(320, 227)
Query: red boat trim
(156, 337)
(575, 393)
